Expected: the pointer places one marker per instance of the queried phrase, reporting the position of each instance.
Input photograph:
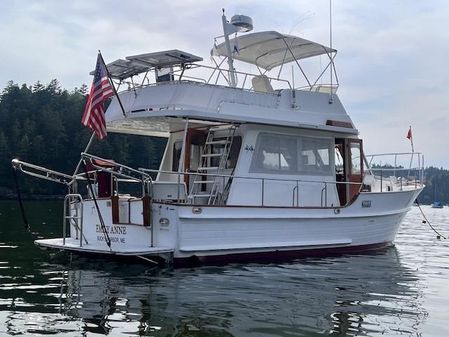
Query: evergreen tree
(41, 124)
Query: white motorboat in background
(254, 166)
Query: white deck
(74, 245)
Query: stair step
(211, 155)
(203, 195)
(217, 142)
(224, 127)
(207, 168)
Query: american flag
(101, 90)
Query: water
(400, 291)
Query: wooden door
(192, 159)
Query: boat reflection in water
(349, 295)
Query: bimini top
(271, 49)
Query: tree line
(41, 124)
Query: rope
(427, 221)
(100, 217)
(19, 198)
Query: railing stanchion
(263, 190)
(64, 228)
(325, 194)
(297, 193)
(381, 179)
(179, 181)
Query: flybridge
(266, 50)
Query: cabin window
(275, 153)
(295, 155)
(355, 159)
(315, 155)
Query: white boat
(253, 166)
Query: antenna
(239, 23)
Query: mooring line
(19, 198)
(439, 235)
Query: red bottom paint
(276, 256)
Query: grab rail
(42, 172)
(123, 171)
(263, 181)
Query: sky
(391, 61)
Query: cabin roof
(160, 109)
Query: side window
(275, 153)
(315, 155)
(294, 155)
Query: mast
(239, 23)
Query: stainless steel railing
(405, 168)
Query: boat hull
(186, 233)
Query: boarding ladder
(218, 145)
(73, 216)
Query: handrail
(195, 66)
(42, 172)
(393, 153)
(414, 170)
(220, 71)
(141, 176)
(249, 178)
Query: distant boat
(436, 203)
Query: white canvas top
(271, 49)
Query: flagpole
(113, 86)
(413, 149)
(85, 150)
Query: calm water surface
(400, 291)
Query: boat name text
(112, 229)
